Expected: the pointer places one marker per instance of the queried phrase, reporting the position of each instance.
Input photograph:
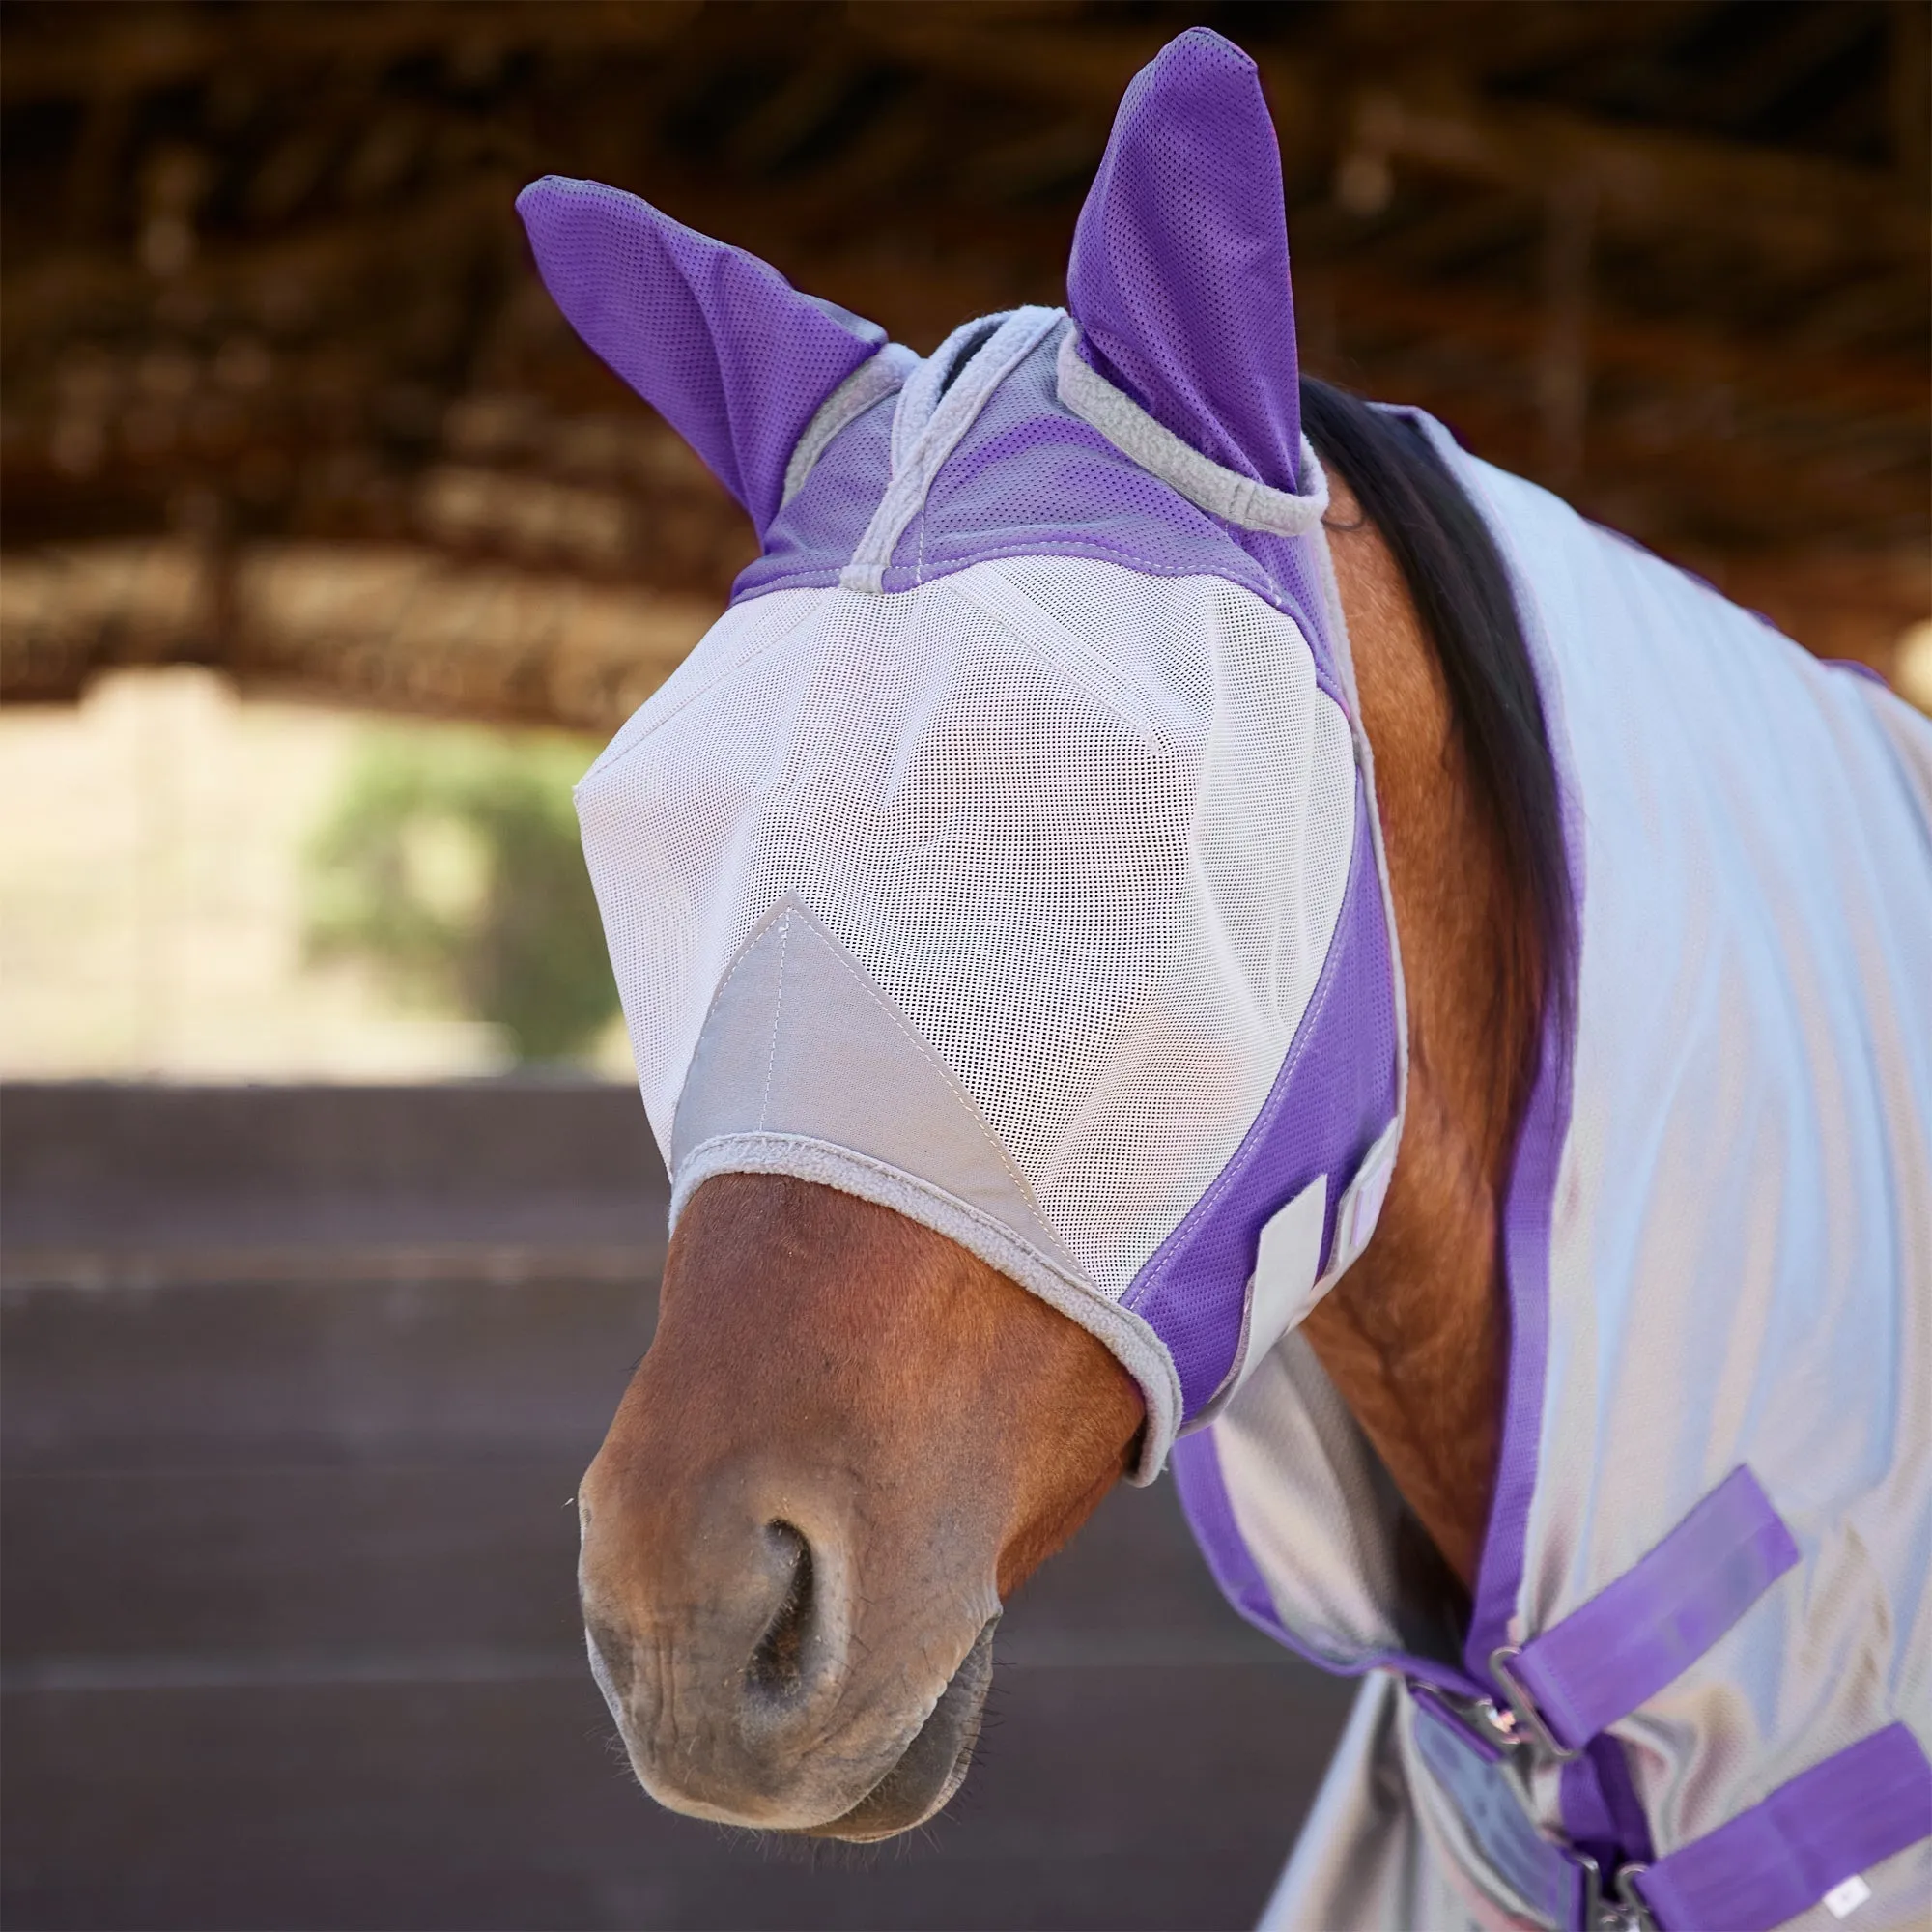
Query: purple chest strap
(1645, 1630)
(1829, 1823)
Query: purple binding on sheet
(733, 357)
(1645, 1630)
(1601, 1809)
(1780, 1857)
(1179, 276)
(1210, 1515)
(1335, 1094)
(1530, 1206)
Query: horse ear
(734, 357)
(1179, 277)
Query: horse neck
(1413, 1336)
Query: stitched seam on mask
(778, 1015)
(1076, 1278)
(941, 432)
(1014, 1254)
(961, 1096)
(1144, 1282)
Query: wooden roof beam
(1819, 214)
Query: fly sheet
(1707, 1579)
(1008, 855)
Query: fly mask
(1008, 854)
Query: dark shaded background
(297, 1382)
(298, 1386)
(270, 319)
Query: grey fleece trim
(1122, 1332)
(1222, 493)
(871, 382)
(919, 450)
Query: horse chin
(933, 1767)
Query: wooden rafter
(264, 289)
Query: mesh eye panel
(1089, 828)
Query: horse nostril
(776, 1671)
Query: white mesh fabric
(1089, 828)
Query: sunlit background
(329, 559)
(199, 886)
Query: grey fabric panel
(1910, 740)
(1315, 1506)
(801, 1041)
(1363, 1863)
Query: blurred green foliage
(449, 865)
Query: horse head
(999, 911)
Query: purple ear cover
(1179, 277)
(717, 342)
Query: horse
(1428, 1372)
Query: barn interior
(312, 1311)
(283, 396)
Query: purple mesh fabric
(1029, 479)
(1335, 1094)
(812, 537)
(736, 358)
(1179, 277)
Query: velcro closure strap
(1782, 1857)
(1637, 1634)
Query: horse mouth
(933, 1767)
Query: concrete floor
(296, 1388)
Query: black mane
(1461, 590)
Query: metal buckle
(1620, 1908)
(1525, 1706)
(1593, 1892)
(1631, 1899)
(1481, 1719)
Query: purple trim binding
(1646, 1629)
(1781, 1856)
(1602, 1811)
(1631, 1828)
(1196, 1463)
(1332, 1098)
(1529, 1212)
(1526, 1231)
